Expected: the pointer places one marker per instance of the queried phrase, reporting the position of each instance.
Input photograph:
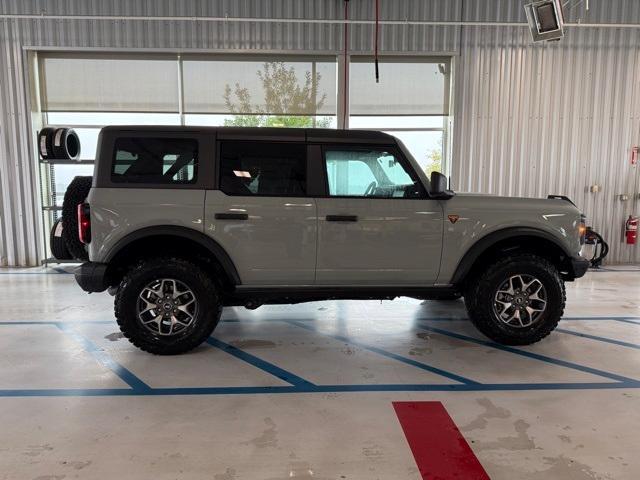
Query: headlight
(582, 228)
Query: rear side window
(263, 169)
(155, 160)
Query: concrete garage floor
(78, 401)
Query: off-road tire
(203, 287)
(57, 244)
(76, 193)
(480, 296)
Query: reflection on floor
(306, 391)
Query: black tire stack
(59, 248)
(64, 144)
(59, 144)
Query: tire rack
(50, 210)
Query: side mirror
(439, 185)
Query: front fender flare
(486, 242)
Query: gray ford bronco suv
(178, 222)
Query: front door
(261, 214)
(376, 225)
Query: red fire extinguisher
(631, 230)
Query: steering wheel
(371, 188)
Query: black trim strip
(231, 216)
(341, 218)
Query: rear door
(261, 213)
(376, 225)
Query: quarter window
(155, 160)
(263, 169)
(375, 173)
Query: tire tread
(481, 314)
(128, 327)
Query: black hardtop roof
(321, 135)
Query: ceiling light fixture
(546, 20)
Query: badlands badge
(453, 218)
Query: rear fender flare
(213, 247)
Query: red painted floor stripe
(440, 450)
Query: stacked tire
(64, 144)
(58, 144)
(59, 248)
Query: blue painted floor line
(104, 359)
(60, 270)
(533, 355)
(385, 353)
(631, 320)
(599, 338)
(496, 387)
(300, 385)
(260, 363)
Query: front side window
(376, 173)
(155, 160)
(263, 169)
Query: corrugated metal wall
(533, 120)
(20, 222)
(507, 91)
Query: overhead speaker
(546, 20)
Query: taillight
(84, 223)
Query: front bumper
(579, 266)
(92, 277)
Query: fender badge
(453, 218)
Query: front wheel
(517, 301)
(167, 306)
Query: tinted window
(368, 173)
(155, 160)
(263, 168)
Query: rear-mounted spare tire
(76, 194)
(66, 144)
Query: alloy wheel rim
(520, 301)
(167, 307)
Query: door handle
(231, 216)
(342, 218)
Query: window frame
(393, 149)
(120, 179)
(307, 166)
(106, 155)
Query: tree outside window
(289, 100)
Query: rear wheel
(167, 306)
(518, 300)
